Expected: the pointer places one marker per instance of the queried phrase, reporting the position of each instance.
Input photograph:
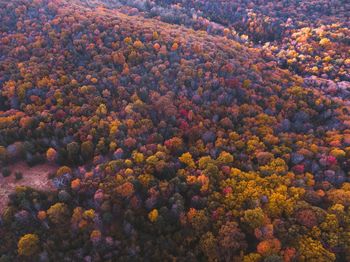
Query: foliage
(58, 213)
(28, 245)
(192, 131)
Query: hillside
(173, 143)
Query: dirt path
(35, 177)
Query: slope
(173, 143)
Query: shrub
(18, 175)
(6, 172)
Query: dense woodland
(182, 130)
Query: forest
(171, 130)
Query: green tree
(87, 150)
(73, 152)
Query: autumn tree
(28, 245)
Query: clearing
(35, 177)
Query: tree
(225, 158)
(186, 158)
(209, 246)
(313, 250)
(28, 245)
(95, 236)
(174, 144)
(63, 170)
(254, 217)
(75, 184)
(58, 213)
(87, 150)
(269, 247)
(73, 152)
(51, 154)
(231, 239)
(307, 217)
(3, 154)
(125, 190)
(153, 215)
(199, 222)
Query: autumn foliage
(192, 131)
